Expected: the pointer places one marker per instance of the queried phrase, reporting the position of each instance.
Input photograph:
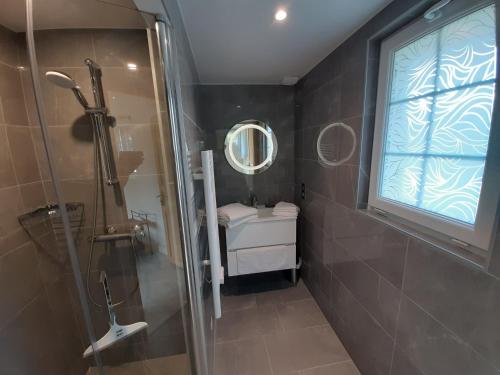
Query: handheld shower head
(66, 82)
(61, 79)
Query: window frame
(478, 237)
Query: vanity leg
(294, 276)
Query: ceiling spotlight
(132, 66)
(280, 15)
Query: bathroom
(358, 138)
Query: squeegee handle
(107, 293)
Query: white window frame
(477, 237)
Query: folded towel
(234, 213)
(285, 205)
(286, 215)
(235, 223)
(286, 209)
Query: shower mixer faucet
(98, 114)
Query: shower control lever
(136, 233)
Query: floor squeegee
(116, 331)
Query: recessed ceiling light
(280, 15)
(132, 66)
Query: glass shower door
(104, 123)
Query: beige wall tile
(63, 48)
(43, 164)
(29, 344)
(61, 106)
(19, 281)
(23, 154)
(73, 151)
(82, 191)
(7, 176)
(129, 95)
(8, 47)
(33, 195)
(11, 205)
(135, 146)
(13, 240)
(120, 47)
(11, 97)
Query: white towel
(286, 209)
(235, 223)
(285, 205)
(234, 214)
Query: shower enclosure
(101, 248)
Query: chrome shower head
(66, 82)
(61, 79)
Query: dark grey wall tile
(380, 246)
(434, 349)
(367, 258)
(379, 297)
(345, 192)
(309, 142)
(463, 298)
(224, 106)
(401, 365)
(367, 343)
(352, 91)
(328, 69)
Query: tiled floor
(171, 365)
(280, 332)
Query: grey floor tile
(300, 314)
(294, 293)
(170, 365)
(242, 324)
(342, 368)
(240, 302)
(304, 348)
(245, 357)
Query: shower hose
(98, 125)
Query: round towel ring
(324, 149)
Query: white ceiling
(238, 41)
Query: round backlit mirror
(250, 147)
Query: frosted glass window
(438, 118)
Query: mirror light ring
(269, 139)
(320, 152)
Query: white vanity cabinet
(266, 243)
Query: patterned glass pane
(468, 53)
(462, 121)
(452, 187)
(408, 126)
(415, 68)
(435, 145)
(401, 177)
